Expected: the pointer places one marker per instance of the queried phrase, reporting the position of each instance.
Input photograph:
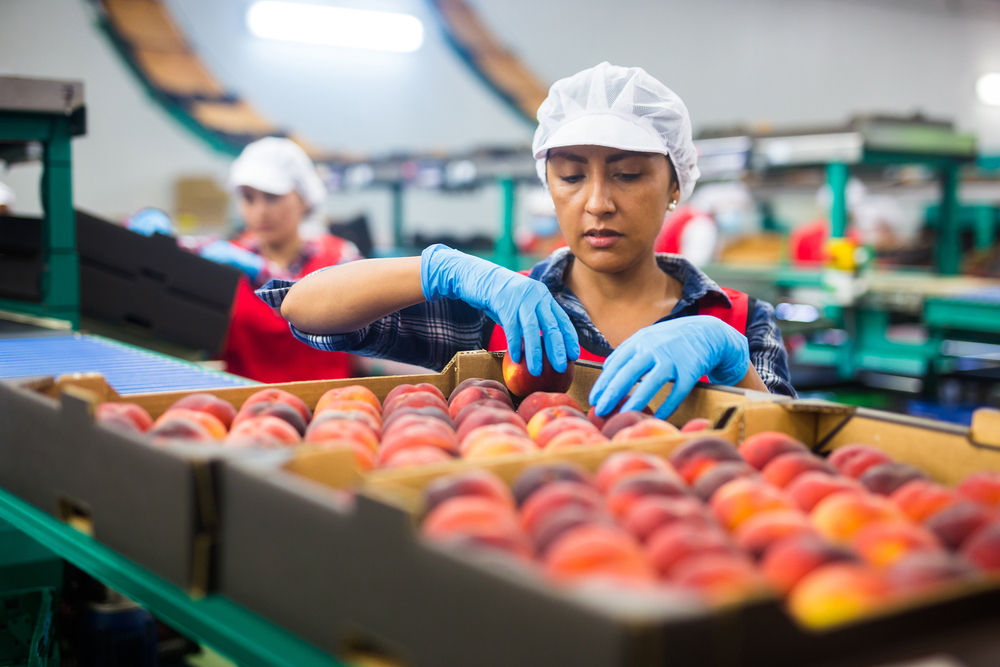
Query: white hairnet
(618, 107)
(278, 166)
(7, 197)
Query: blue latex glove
(681, 351)
(522, 306)
(224, 252)
(149, 221)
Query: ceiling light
(988, 88)
(335, 26)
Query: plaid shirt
(430, 334)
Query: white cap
(7, 197)
(278, 166)
(617, 107)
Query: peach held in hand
(521, 382)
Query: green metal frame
(60, 286)
(214, 620)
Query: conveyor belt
(128, 369)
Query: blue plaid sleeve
(427, 334)
(767, 350)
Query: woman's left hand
(681, 351)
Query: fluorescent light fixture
(988, 89)
(335, 26)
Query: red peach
(548, 415)
(630, 488)
(133, 412)
(652, 512)
(763, 529)
(419, 399)
(982, 487)
(508, 431)
(699, 454)
(882, 544)
(209, 421)
(560, 521)
(413, 457)
(469, 514)
(354, 406)
(424, 413)
(521, 382)
(562, 425)
(787, 561)
(410, 421)
(487, 448)
(982, 548)
(669, 545)
(840, 515)
(596, 550)
(478, 382)
(721, 578)
(345, 415)
(488, 416)
(473, 394)
(180, 427)
(418, 435)
(272, 409)
(920, 498)
(268, 431)
(696, 424)
(721, 473)
(476, 406)
(281, 396)
(340, 430)
(119, 420)
(536, 477)
(354, 392)
(412, 388)
(600, 422)
(958, 521)
(838, 592)
(574, 438)
(540, 400)
(555, 495)
(620, 422)
(809, 488)
(620, 464)
(760, 448)
(922, 572)
(784, 468)
(467, 483)
(854, 460)
(738, 500)
(885, 478)
(365, 458)
(646, 428)
(219, 408)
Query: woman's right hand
(522, 306)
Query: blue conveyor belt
(128, 369)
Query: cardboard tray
(149, 282)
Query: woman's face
(610, 203)
(274, 219)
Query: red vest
(260, 345)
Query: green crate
(27, 633)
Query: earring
(672, 205)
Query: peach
(491, 431)
(133, 412)
(599, 422)
(760, 448)
(546, 416)
(649, 513)
(554, 524)
(476, 406)
(353, 406)
(696, 424)
(620, 464)
(958, 521)
(417, 435)
(556, 495)
(487, 448)
(854, 460)
(180, 427)
(763, 529)
(281, 396)
(620, 422)
(470, 515)
(982, 548)
(811, 487)
(515, 544)
(354, 392)
(219, 408)
(669, 545)
(415, 456)
(489, 416)
(345, 415)
(882, 544)
(418, 399)
(471, 395)
(920, 498)
(540, 400)
(630, 488)
(563, 425)
(538, 476)
(521, 382)
(982, 487)
(268, 431)
(596, 550)
(364, 458)
(412, 388)
(841, 515)
(838, 592)
(404, 414)
(738, 500)
(331, 429)
(699, 454)
(209, 421)
(784, 468)
(478, 382)
(720, 578)
(272, 409)
(788, 560)
(922, 572)
(119, 420)
(646, 428)
(467, 483)
(410, 421)
(575, 438)
(885, 478)
(726, 471)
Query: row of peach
(839, 537)
(416, 425)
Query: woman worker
(614, 147)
